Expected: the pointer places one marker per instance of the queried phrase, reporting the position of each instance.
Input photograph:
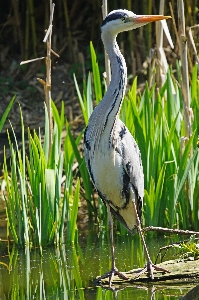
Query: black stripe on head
(114, 16)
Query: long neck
(106, 113)
(111, 103)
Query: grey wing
(132, 163)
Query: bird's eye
(123, 19)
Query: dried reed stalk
(17, 27)
(193, 43)
(47, 86)
(33, 26)
(68, 30)
(107, 61)
(131, 44)
(185, 71)
(47, 83)
(27, 38)
(174, 25)
(161, 73)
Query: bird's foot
(111, 274)
(149, 269)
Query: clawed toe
(110, 275)
(149, 269)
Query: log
(181, 271)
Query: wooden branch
(183, 270)
(170, 230)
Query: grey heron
(112, 155)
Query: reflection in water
(67, 272)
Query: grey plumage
(112, 156)
(120, 169)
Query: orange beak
(151, 18)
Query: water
(67, 272)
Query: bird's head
(123, 20)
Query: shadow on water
(67, 272)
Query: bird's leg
(110, 222)
(114, 270)
(149, 266)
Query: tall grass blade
(74, 210)
(6, 112)
(96, 74)
(82, 104)
(83, 170)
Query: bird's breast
(108, 176)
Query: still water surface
(67, 272)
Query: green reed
(170, 162)
(38, 201)
(5, 114)
(40, 204)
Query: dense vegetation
(47, 180)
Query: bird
(112, 156)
